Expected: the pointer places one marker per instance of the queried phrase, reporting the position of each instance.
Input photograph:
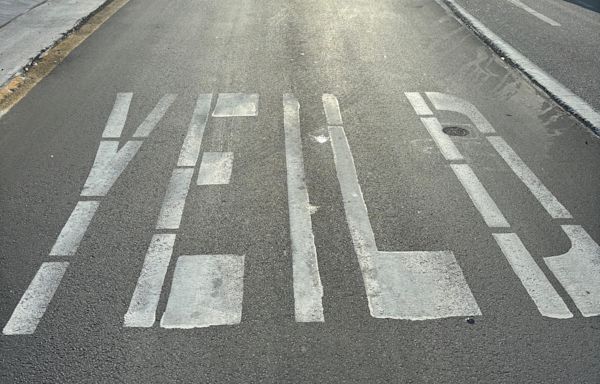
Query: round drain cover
(455, 131)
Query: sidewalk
(29, 27)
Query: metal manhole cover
(455, 131)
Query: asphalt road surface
(295, 191)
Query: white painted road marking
(73, 231)
(400, 285)
(110, 162)
(215, 168)
(445, 102)
(206, 290)
(35, 300)
(188, 157)
(155, 116)
(443, 141)
(418, 103)
(118, 116)
(332, 109)
(578, 270)
(142, 309)
(558, 91)
(308, 291)
(236, 104)
(174, 201)
(545, 297)
(480, 197)
(535, 13)
(537, 188)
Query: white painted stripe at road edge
(535, 13)
(556, 90)
(215, 168)
(174, 201)
(480, 197)
(236, 105)
(545, 297)
(188, 157)
(578, 270)
(526, 175)
(418, 103)
(72, 233)
(443, 141)
(206, 290)
(35, 300)
(308, 290)
(142, 309)
(332, 109)
(155, 116)
(118, 116)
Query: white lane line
(357, 216)
(174, 202)
(332, 109)
(537, 188)
(215, 168)
(236, 104)
(155, 116)
(414, 285)
(308, 290)
(535, 13)
(562, 94)
(480, 197)
(118, 116)
(445, 102)
(188, 157)
(70, 236)
(545, 297)
(578, 270)
(206, 290)
(418, 103)
(142, 309)
(108, 165)
(35, 300)
(443, 141)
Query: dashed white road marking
(188, 157)
(535, 13)
(110, 162)
(215, 168)
(547, 300)
(332, 110)
(118, 116)
(578, 270)
(308, 290)
(480, 197)
(73, 231)
(236, 104)
(174, 201)
(445, 102)
(400, 285)
(443, 141)
(537, 188)
(142, 309)
(206, 290)
(35, 300)
(418, 103)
